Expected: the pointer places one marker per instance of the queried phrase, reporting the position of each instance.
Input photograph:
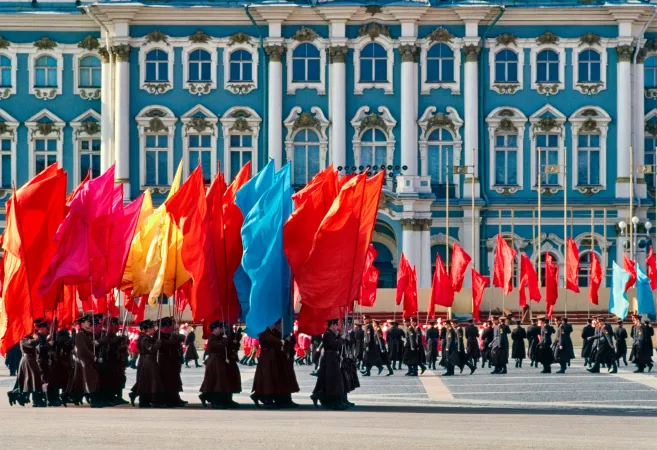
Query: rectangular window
(650, 146)
(506, 167)
(5, 160)
(6, 77)
(439, 156)
(588, 160)
(45, 153)
(89, 150)
(241, 152)
(548, 145)
(200, 152)
(157, 160)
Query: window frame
(319, 86)
(495, 120)
(590, 87)
(211, 120)
(505, 88)
(32, 125)
(10, 53)
(577, 121)
(548, 87)
(156, 87)
(79, 133)
(144, 121)
(200, 87)
(389, 46)
(388, 121)
(10, 133)
(235, 87)
(90, 92)
(293, 125)
(455, 44)
(560, 130)
(50, 92)
(229, 124)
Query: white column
(425, 255)
(106, 150)
(639, 125)
(409, 109)
(275, 109)
(338, 108)
(122, 117)
(624, 124)
(471, 115)
(469, 245)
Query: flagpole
(499, 231)
(588, 303)
(447, 175)
(565, 229)
(538, 241)
(604, 240)
(472, 236)
(629, 220)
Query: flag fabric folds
(572, 266)
(503, 265)
(370, 279)
(442, 292)
(618, 303)
(403, 278)
(479, 284)
(410, 295)
(651, 262)
(645, 299)
(595, 278)
(460, 262)
(551, 283)
(630, 266)
(528, 279)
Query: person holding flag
(606, 353)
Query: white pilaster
(425, 255)
(469, 245)
(106, 137)
(338, 92)
(639, 126)
(122, 116)
(275, 109)
(408, 121)
(624, 124)
(471, 113)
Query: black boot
(37, 400)
(614, 368)
(595, 368)
(187, 364)
(197, 364)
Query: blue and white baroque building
(462, 98)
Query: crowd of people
(56, 367)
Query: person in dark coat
(411, 356)
(587, 345)
(472, 351)
(62, 362)
(222, 375)
(500, 347)
(316, 350)
(329, 389)
(563, 345)
(487, 336)
(650, 332)
(148, 385)
(13, 359)
(289, 384)
(533, 333)
(518, 336)
(422, 355)
(620, 333)
(348, 366)
(443, 346)
(455, 348)
(30, 379)
(432, 345)
(372, 350)
(269, 387)
(544, 354)
(169, 364)
(359, 337)
(190, 348)
(118, 356)
(381, 343)
(395, 338)
(641, 354)
(84, 381)
(605, 352)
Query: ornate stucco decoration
(89, 43)
(547, 38)
(651, 128)
(441, 35)
(441, 120)
(306, 120)
(337, 54)
(408, 53)
(90, 127)
(506, 39)
(590, 126)
(199, 124)
(275, 52)
(45, 43)
(239, 38)
(624, 53)
(155, 125)
(547, 123)
(45, 93)
(200, 37)
(506, 88)
(373, 121)
(157, 88)
(305, 35)
(590, 88)
(122, 52)
(589, 39)
(156, 36)
(46, 128)
(90, 94)
(6, 130)
(506, 125)
(547, 88)
(241, 88)
(471, 52)
(241, 125)
(4, 43)
(200, 88)
(373, 9)
(373, 30)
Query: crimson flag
(403, 275)
(551, 283)
(67, 307)
(479, 283)
(410, 295)
(503, 266)
(460, 262)
(528, 278)
(572, 266)
(442, 292)
(651, 262)
(630, 266)
(370, 279)
(596, 278)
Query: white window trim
(200, 87)
(494, 49)
(86, 93)
(10, 53)
(389, 45)
(390, 124)
(561, 130)
(156, 88)
(456, 44)
(319, 86)
(12, 125)
(76, 124)
(211, 130)
(227, 122)
(457, 142)
(323, 122)
(143, 122)
(590, 88)
(46, 93)
(241, 87)
(548, 88)
(602, 121)
(32, 132)
(494, 120)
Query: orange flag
(596, 278)
(479, 283)
(503, 267)
(572, 264)
(460, 262)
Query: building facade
(473, 104)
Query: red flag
(596, 278)
(460, 262)
(403, 275)
(188, 209)
(651, 261)
(503, 267)
(479, 283)
(630, 266)
(370, 279)
(442, 292)
(551, 283)
(528, 278)
(67, 307)
(572, 266)
(410, 294)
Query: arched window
(584, 275)
(547, 67)
(306, 156)
(589, 66)
(157, 159)
(439, 157)
(373, 64)
(440, 64)
(650, 72)
(157, 66)
(506, 159)
(373, 151)
(89, 157)
(46, 72)
(157, 126)
(241, 152)
(241, 66)
(5, 72)
(588, 159)
(548, 147)
(89, 75)
(506, 67)
(305, 63)
(200, 66)
(200, 152)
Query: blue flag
(263, 260)
(618, 303)
(645, 300)
(245, 199)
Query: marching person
(359, 336)
(348, 364)
(169, 364)
(30, 379)
(222, 375)
(518, 336)
(384, 351)
(148, 384)
(533, 334)
(269, 389)
(422, 356)
(544, 354)
(411, 356)
(605, 350)
(395, 337)
(620, 333)
(62, 363)
(500, 347)
(117, 355)
(587, 344)
(329, 389)
(563, 344)
(432, 345)
(190, 348)
(641, 354)
(650, 332)
(443, 345)
(372, 351)
(472, 351)
(13, 359)
(84, 381)
(487, 336)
